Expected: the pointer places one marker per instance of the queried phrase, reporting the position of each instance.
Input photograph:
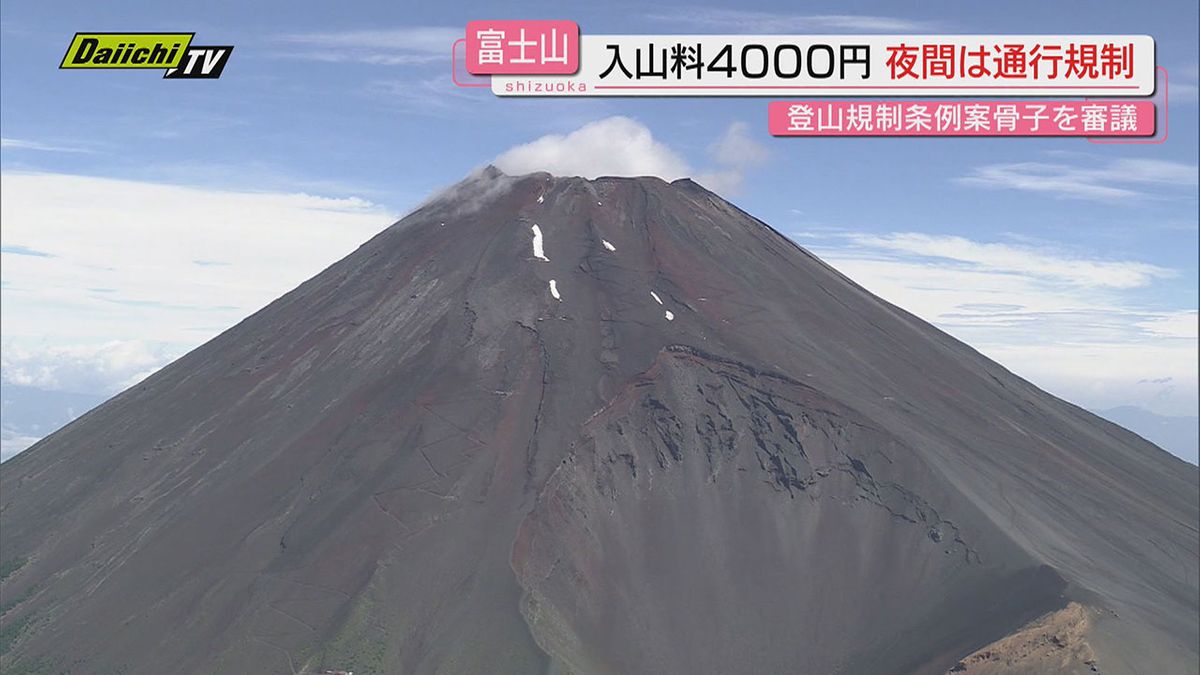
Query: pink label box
(522, 47)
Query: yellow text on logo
(126, 50)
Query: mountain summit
(560, 425)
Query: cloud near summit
(614, 146)
(621, 146)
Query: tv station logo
(173, 53)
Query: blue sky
(142, 216)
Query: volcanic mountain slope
(616, 426)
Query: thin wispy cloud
(1184, 93)
(735, 153)
(1073, 324)
(747, 21)
(1022, 260)
(21, 144)
(1182, 85)
(424, 96)
(1113, 180)
(384, 47)
(430, 93)
(25, 250)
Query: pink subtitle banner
(962, 118)
(522, 47)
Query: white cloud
(620, 146)
(614, 146)
(746, 21)
(135, 272)
(1072, 325)
(1114, 180)
(386, 47)
(101, 369)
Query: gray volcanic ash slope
(649, 435)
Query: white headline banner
(850, 65)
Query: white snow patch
(656, 298)
(554, 290)
(670, 316)
(541, 198)
(608, 245)
(538, 251)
